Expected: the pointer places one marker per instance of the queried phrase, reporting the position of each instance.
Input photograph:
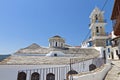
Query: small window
(56, 44)
(55, 54)
(116, 52)
(97, 30)
(96, 17)
(108, 50)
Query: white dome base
(55, 54)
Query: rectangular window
(97, 30)
(108, 50)
(116, 52)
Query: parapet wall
(97, 75)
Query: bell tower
(97, 27)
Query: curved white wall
(55, 54)
(94, 76)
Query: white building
(59, 61)
(56, 62)
(98, 38)
(115, 53)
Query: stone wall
(99, 42)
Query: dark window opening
(104, 56)
(56, 44)
(55, 54)
(96, 17)
(50, 76)
(97, 30)
(116, 52)
(108, 50)
(21, 76)
(112, 55)
(35, 76)
(92, 67)
(71, 72)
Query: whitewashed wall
(114, 53)
(94, 76)
(10, 72)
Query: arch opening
(92, 67)
(35, 76)
(50, 76)
(21, 76)
(71, 72)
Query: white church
(60, 61)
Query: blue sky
(23, 22)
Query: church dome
(56, 36)
(56, 41)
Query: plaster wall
(99, 75)
(10, 72)
(114, 53)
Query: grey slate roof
(77, 53)
(32, 49)
(42, 60)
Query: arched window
(92, 67)
(71, 72)
(96, 17)
(97, 30)
(50, 76)
(21, 76)
(56, 44)
(35, 76)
